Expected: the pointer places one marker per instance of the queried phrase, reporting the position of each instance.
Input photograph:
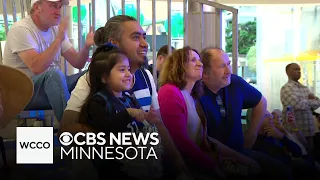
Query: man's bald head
(208, 55)
(293, 71)
(216, 68)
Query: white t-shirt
(82, 90)
(194, 122)
(25, 35)
(79, 94)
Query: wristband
(295, 129)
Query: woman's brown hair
(174, 71)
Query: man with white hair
(35, 45)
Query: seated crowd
(196, 111)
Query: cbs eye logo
(66, 138)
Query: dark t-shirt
(113, 117)
(235, 97)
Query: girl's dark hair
(103, 60)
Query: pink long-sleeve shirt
(174, 113)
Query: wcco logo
(34, 145)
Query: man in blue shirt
(225, 95)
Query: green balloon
(177, 25)
(83, 12)
(131, 10)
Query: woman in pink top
(180, 87)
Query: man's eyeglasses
(222, 109)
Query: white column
(212, 32)
(70, 69)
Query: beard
(140, 63)
(145, 62)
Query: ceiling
(230, 2)
(269, 2)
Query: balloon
(131, 10)
(177, 25)
(83, 12)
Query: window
(284, 34)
